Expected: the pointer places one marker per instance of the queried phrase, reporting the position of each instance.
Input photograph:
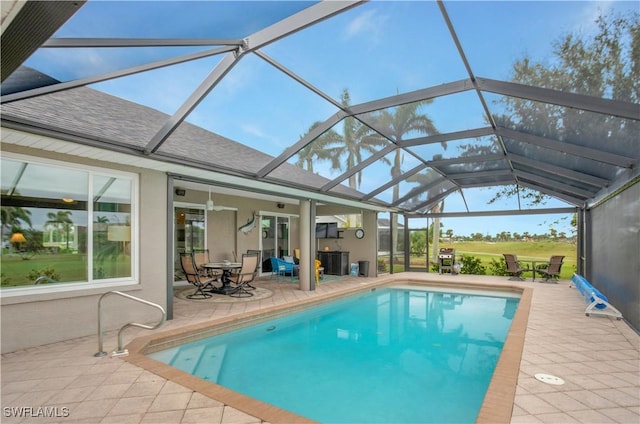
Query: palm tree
(406, 119)
(357, 140)
(343, 151)
(13, 217)
(320, 149)
(61, 219)
(421, 179)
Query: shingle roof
(118, 122)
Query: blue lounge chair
(280, 267)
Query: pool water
(393, 355)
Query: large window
(63, 223)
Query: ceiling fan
(216, 208)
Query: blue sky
(376, 50)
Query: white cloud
(585, 21)
(367, 24)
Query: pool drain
(549, 379)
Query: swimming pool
(402, 354)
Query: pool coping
(497, 405)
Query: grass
(526, 252)
(67, 267)
(73, 267)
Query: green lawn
(68, 267)
(526, 251)
(73, 267)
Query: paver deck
(597, 357)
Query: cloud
(368, 24)
(274, 145)
(585, 21)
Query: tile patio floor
(599, 359)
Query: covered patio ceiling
(394, 105)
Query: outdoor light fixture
(17, 238)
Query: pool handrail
(120, 351)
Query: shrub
(46, 272)
(382, 266)
(498, 267)
(472, 265)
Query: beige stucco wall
(36, 319)
(365, 249)
(223, 237)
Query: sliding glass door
(189, 234)
(274, 239)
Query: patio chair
(514, 268)
(201, 256)
(551, 271)
(280, 267)
(259, 253)
(244, 276)
(296, 255)
(319, 271)
(199, 280)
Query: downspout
(169, 253)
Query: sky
(376, 50)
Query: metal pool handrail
(44, 278)
(120, 350)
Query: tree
(356, 140)
(449, 234)
(343, 151)
(418, 240)
(347, 152)
(320, 149)
(60, 219)
(477, 236)
(13, 218)
(606, 65)
(405, 120)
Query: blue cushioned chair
(280, 267)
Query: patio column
(307, 240)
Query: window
(62, 223)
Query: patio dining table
(226, 268)
(533, 268)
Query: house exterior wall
(35, 319)
(365, 249)
(223, 237)
(613, 264)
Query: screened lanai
(422, 108)
(332, 87)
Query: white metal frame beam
(112, 75)
(617, 108)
